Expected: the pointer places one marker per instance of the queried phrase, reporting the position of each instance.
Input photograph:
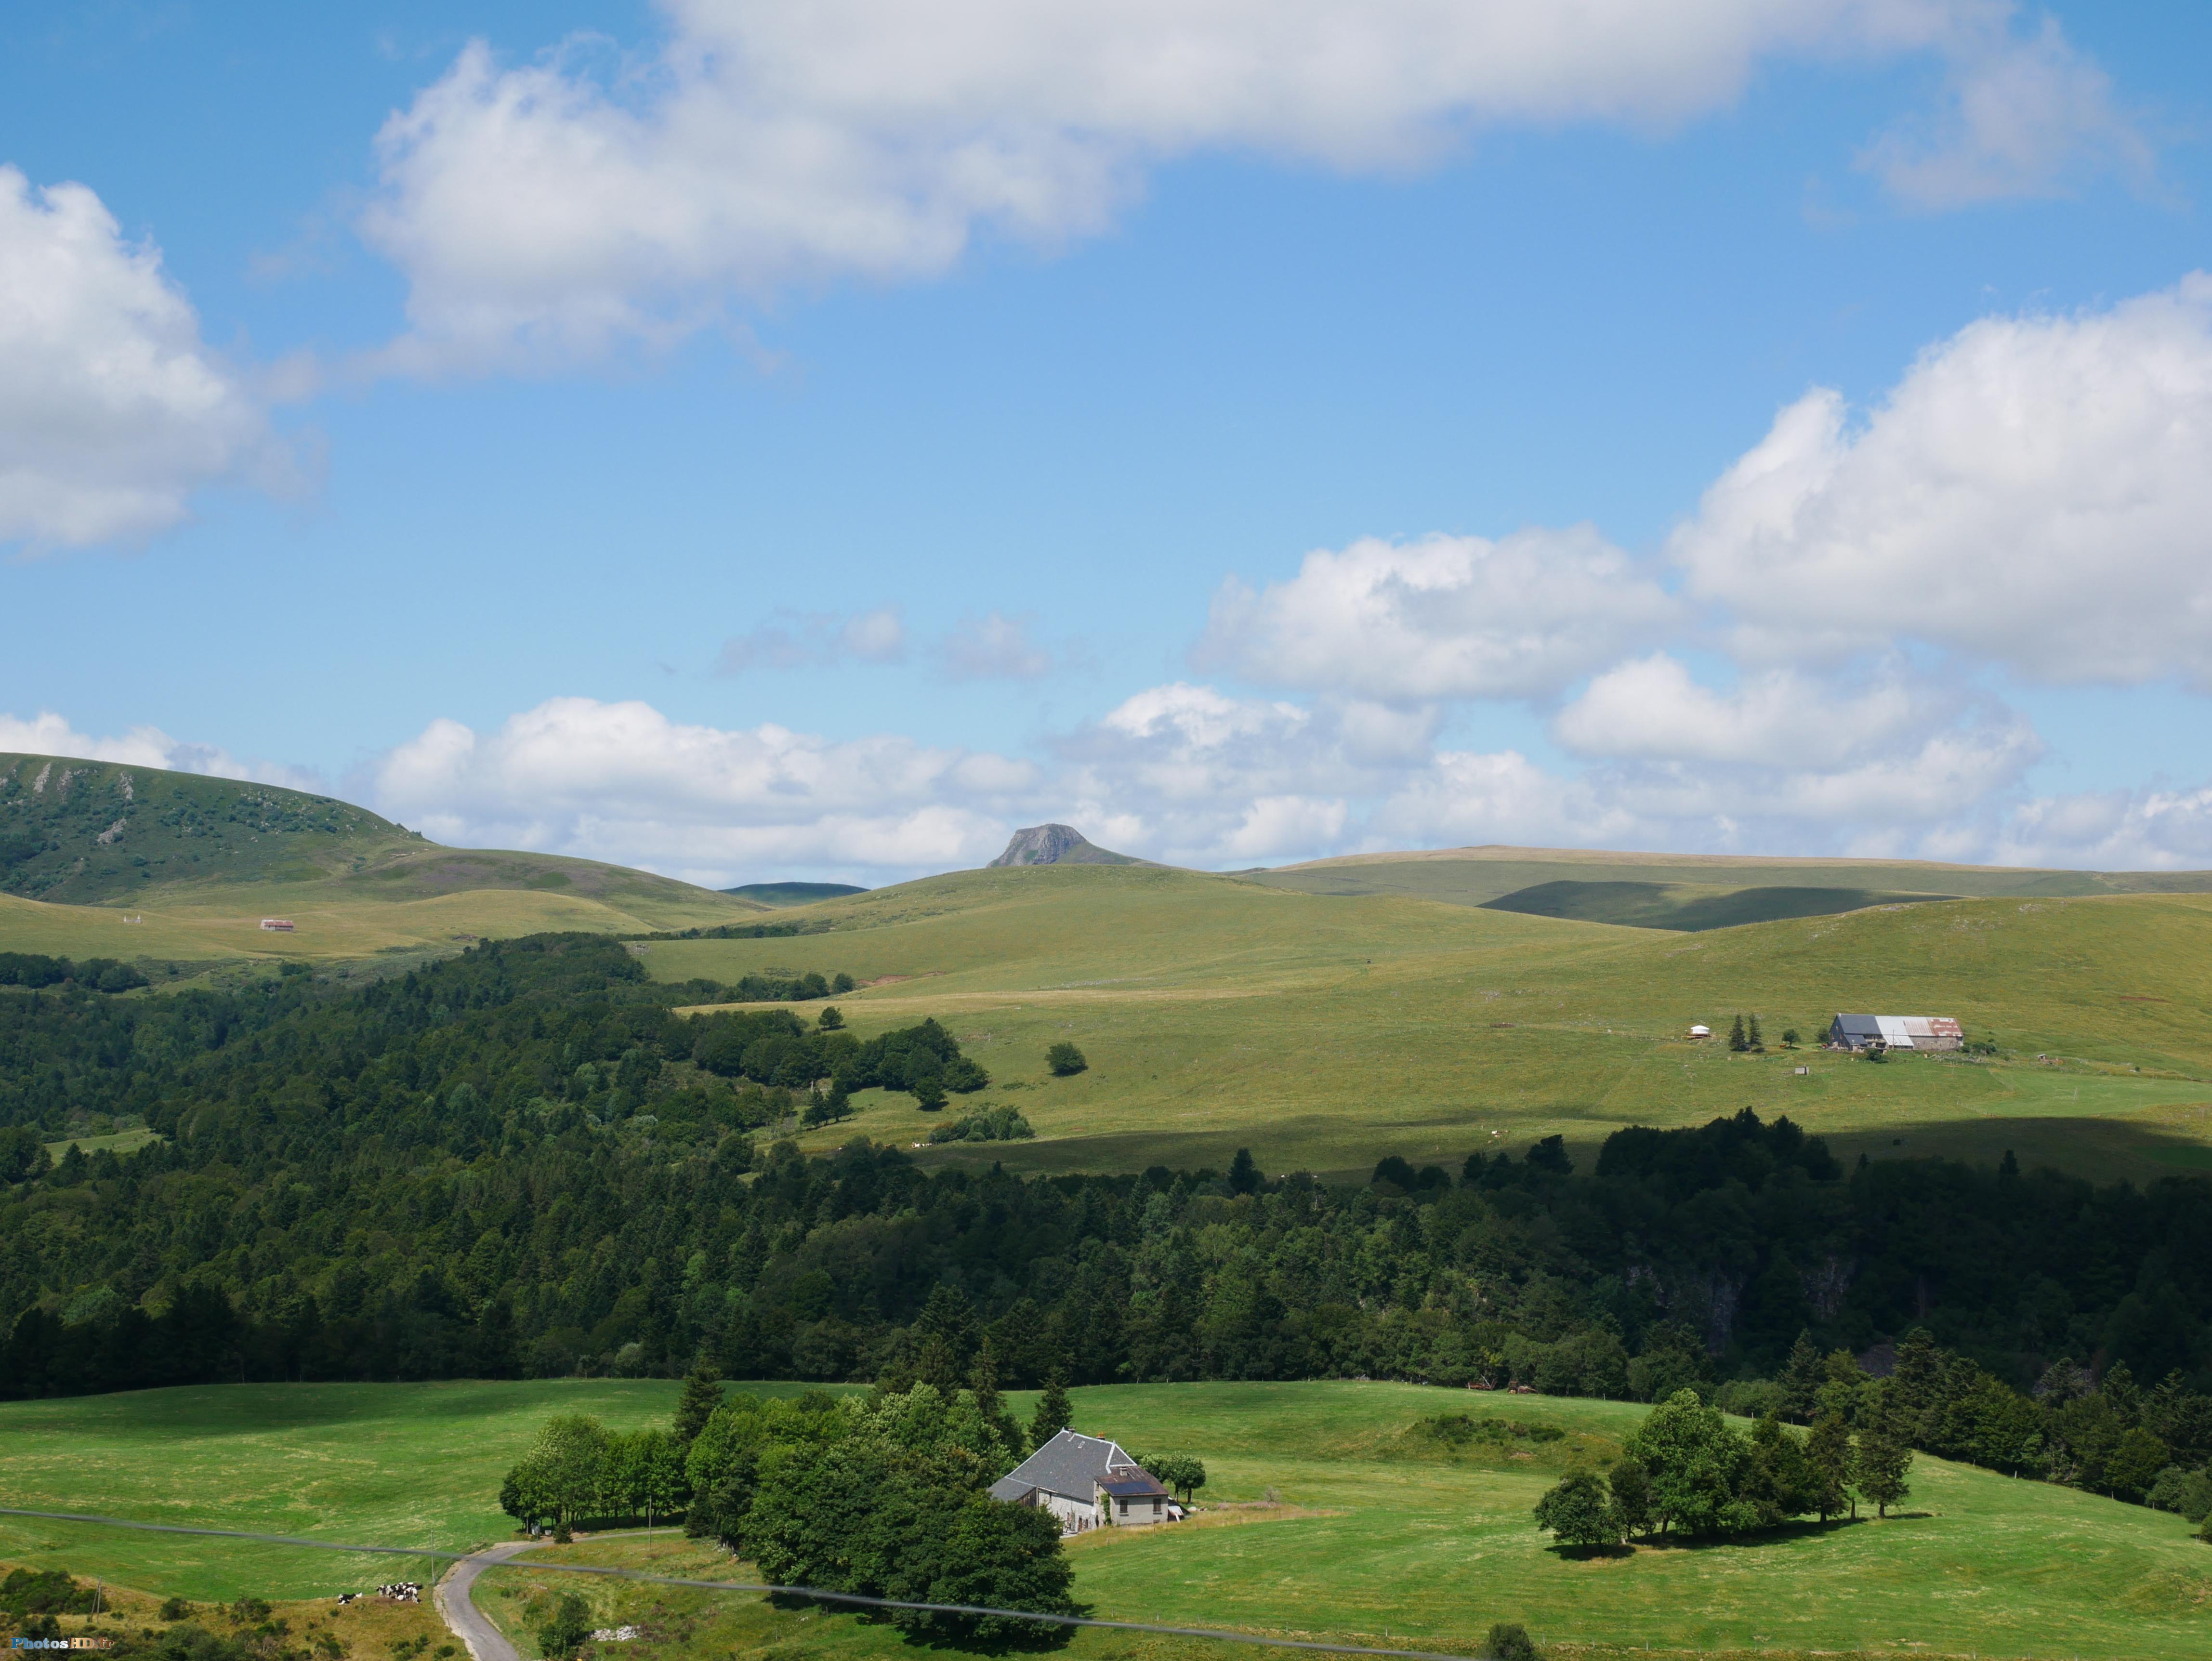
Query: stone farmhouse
(1088, 1483)
(1921, 1032)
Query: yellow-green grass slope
(1476, 876)
(101, 860)
(1325, 1031)
(1336, 1517)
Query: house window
(1156, 1508)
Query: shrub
(1065, 1060)
(1577, 1512)
(994, 1125)
(1509, 1640)
(566, 1627)
(2187, 1493)
(175, 1609)
(44, 1591)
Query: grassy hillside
(196, 862)
(1476, 876)
(1323, 1031)
(793, 893)
(1335, 1515)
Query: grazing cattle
(346, 1597)
(401, 1592)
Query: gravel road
(484, 1641)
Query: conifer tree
(1054, 1411)
(1755, 1041)
(1884, 1458)
(1828, 1451)
(1737, 1042)
(1802, 1375)
(702, 1394)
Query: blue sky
(684, 436)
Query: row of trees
(35, 969)
(578, 1469)
(2108, 1435)
(1686, 1470)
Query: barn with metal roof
(1915, 1033)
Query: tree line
(35, 968)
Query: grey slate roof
(1131, 1483)
(1857, 1026)
(1069, 1465)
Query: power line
(1214, 1633)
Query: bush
(1577, 1512)
(1065, 1060)
(44, 1591)
(566, 1628)
(175, 1609)
(2186, 1492)
(1509, 1640)
(995, 1124)
(1749, 1398)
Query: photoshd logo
(63, 1643)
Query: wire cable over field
(1215, 1633)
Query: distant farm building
(1087, 1483)
(1919, 1033)
(1701, 1032)
(277, 925)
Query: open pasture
(1324, 1030)
(336, 921)
(1336, 1512)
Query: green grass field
(337, 921)
(1334, 1516)
(1326, 1031)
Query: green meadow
(1333, 1512)
(1324, 1030)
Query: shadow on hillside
(1780, 1535)
(2104, 1150)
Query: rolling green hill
(1332, 1516)
(1477, 876)
(793, 893)
(1217, 1012)
(195, 862)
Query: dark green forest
(520, 1161)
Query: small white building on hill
(1088, 1483)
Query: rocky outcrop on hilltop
(1059, 845)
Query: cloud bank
(551, 211)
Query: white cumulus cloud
(1442, 617)
(112, 410)
(1652, 708)
(549, 210)
(49, 734)
(2150, 828)
(2036, 492)
(621, 782)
